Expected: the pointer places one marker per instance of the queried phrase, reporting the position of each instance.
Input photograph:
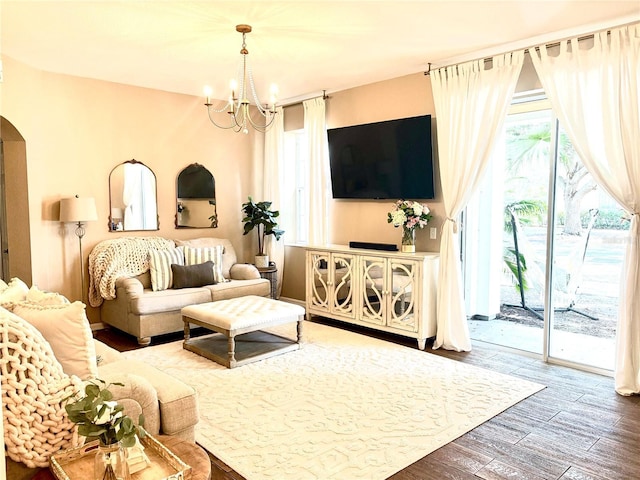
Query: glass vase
(408, 240)
(111, 463)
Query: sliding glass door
(552, 286)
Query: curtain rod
(298, 100)
(555, 43)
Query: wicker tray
(77, 463)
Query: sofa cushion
(196, 275)
(160, 267)
(239, 288)
(168, 300)
(15, 291)
(229, 257)
(67, 330)
(196, 255)
(35, 295)
(105, 354)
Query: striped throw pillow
(197, 255)
(160, 267)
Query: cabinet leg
(422, 343)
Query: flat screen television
(384, 160)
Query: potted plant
(260, 216)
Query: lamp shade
(77, 209)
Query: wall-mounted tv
(383, 160)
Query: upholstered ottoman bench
(238, 323)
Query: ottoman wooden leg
(299, 328)
(232, 350)
(187, 329)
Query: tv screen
(383, 160)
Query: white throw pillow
(198, 255)
(67, 330)
(16, 291)
(160, 267)
(37, 296)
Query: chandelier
(237, 106)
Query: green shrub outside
(607, 219)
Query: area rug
(345, 406)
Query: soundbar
(389, 247)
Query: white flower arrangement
(409, 215)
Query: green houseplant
(259, 215)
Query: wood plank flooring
(577, 428)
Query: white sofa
(140, 311)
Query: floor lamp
(79, 211)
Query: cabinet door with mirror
(332, 287)
(133, 199)
(196, 202)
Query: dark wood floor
(577, 428)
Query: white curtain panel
(596, 95)
(471, 105)
(272, 186)
(315, 128)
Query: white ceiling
(303, 46)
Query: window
(296, 187)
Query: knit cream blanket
(119, 257)
(34, 392)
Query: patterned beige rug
(345, 406)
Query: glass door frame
(537, 103)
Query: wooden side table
(271, 274)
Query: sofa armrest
(244, 271)
(132, 286)
(136, 395)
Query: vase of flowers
(410, 216)
(101, 418)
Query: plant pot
(262, 261)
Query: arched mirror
(132, 198)
(196, 204)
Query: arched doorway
(15, 236)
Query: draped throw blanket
(119, 257)
(34, 389)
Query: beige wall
(77, 129)
(366, 221)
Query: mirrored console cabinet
(390, 291)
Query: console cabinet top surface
(364, 251)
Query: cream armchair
(35, 386)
